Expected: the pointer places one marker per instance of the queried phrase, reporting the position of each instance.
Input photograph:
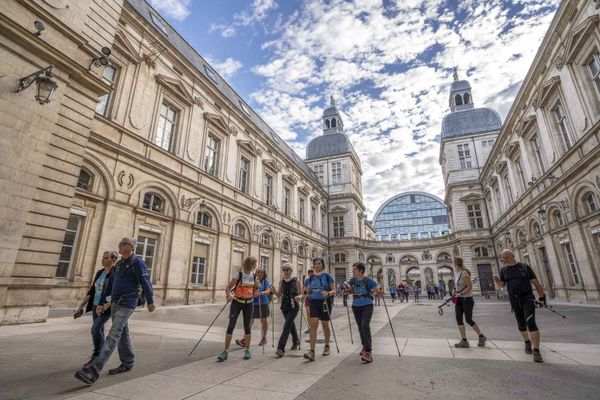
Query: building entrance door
(486, 280)
(547, 271)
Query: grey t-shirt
(461, 285)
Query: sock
(534, 349)
(528, 341)
(481, 335)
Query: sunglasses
(286, 269)
(124, 244)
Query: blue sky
(387, 63)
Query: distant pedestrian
(405, 292)
(363, 290)
(464, 304)
(401, 292)
(393, 292)
(127, 287)
(289, 292)
(416, 292)
(92, 301)
(518, 278)
(436, 292)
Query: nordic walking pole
(550, 308)
(301, 305)
(206, 331)
(260, 316)
(349, 324)
(273, 324)
(330, 323)
(391, 326)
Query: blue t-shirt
(98, 287)
(264, 285)
(362, 288)
(317, 284)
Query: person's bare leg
(326, 331)
(314, 325)
(463, 332)
(476, 329)
(247, 339)
(265, 327)
(535, 339)
(525, 335)
(228, 341)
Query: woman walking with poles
(320, 288)
(464, 305)
(289, 292)
(260, 307)
(243, 285)
(363, 289)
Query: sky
(387, 63)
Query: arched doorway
(413, 276)
(446, 277)
(373, 265)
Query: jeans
(118, 337)
(363, 317)
(289, 326)
(98, 330)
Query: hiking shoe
(367, 357)
(482, 340)
(240, 342)
(86, 375)
(223, 356)
(528, 348)
(326, 350)
(537, 356)
(247, 354)
(279, 353)
(119, 370)
(89, 362)
(463, 344)
(295, 346)
(310, 355)
(263, 341)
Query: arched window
(467, 98)
(333, 123)
(339, 257)
(264, 239)
(301, 251)
(239, 231)
(558, 219)
(458, 100)
(327, 126)
(535, 229)
(203, 219)
(285, 245)
(313, 253)
(590, 203)
(153, 202)
(85, 180)
(522, 237)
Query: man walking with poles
(518, 278)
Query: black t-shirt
(289, 291)
(518, 279)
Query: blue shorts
(318, 310)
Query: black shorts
(318, 309)
(260, 312)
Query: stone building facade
(141, 137)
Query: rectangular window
(237, 258)
(464, 156)
(158, 22)
(109, 76)
(571, 261)
(336, 172)
(475, 217)
(199, 258)
(509, 193)
(594, 67)
(211, 159)
(69, 246)
(520, 175)
(536, 148)
(264, 263)
(302, 206)
(146, 249)
(244, 173)
(313, 217)
(338, 226)
(318, 169)
(561, 121)
(268, 195)
(286, 201)
(167, 123)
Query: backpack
(365, 281)
(141, 296)
(239, 280)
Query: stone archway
(446, 277)
(413, 275)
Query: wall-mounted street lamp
(45, 85)
(100, 60)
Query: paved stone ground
(38, 361)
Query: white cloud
(176, 9)
(224, 30)
(390, 69)
(227, 68)
(258, 11)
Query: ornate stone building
(113, 125)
